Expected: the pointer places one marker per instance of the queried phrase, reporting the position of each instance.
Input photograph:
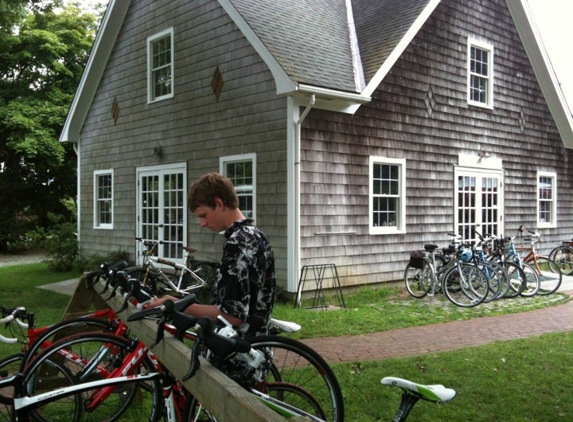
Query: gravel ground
(28, 258)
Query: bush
(91, 262)
(61, 246)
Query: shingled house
(355, 130)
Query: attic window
(480, 74)
(160, 66)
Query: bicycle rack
(317, 273)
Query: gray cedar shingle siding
(396, 124)
(192, 127)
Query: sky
(553, 19)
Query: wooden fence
(224, 398)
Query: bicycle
(523, 279)
(464, 284)
(181, 280)
(61, 400)
(547, 270)
(288, 364)
(563, 256)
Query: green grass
(381, 309)
(521, 380)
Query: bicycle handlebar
(221, 346)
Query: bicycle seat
(286, 326)
(434, 393)
(430, 247)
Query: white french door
(161, 208)
(478, 202)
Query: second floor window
(160, 66)
(546, 199)
(480, 74)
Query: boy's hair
(211, 186)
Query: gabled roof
(338, 50)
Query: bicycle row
(471, 273)
(93, 369)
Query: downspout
(76, 147)
(296, 225)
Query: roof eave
(106, 37)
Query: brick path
(445, 336)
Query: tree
(44, 51)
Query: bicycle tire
(532, 280)
(465, 286)
(563, 256)
(497, 279)
(550, 276)
(296, 363)
(75, 351)
(10, 365)
(293, 363)
(288, 393)
(417, 280)
(65, 329)
(517, 279)
(57, 409)
(207, 271)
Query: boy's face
(212, 218)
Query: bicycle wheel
(465, 285)
(497, 279)
(417, 280)
(550, 276)
(531, 280)
(563, 256)
(517, 279)
(65, 329)
(8, 366)
(208, 273)
(93, 356)
(289, 362)
(295, 363)
(50, 376)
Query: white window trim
(96, 223)
(239, 158)
(150, 41)
(472, 42)
(553, 223)
(400, 226)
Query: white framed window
(480, 73)
(242, 170)
(103, 199)
(160, 64)
(387, 198)
(546, 199)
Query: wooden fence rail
(224, 398)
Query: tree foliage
(45, 47)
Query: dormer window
(160, 66)
(480, 74)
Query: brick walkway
(445, 336)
